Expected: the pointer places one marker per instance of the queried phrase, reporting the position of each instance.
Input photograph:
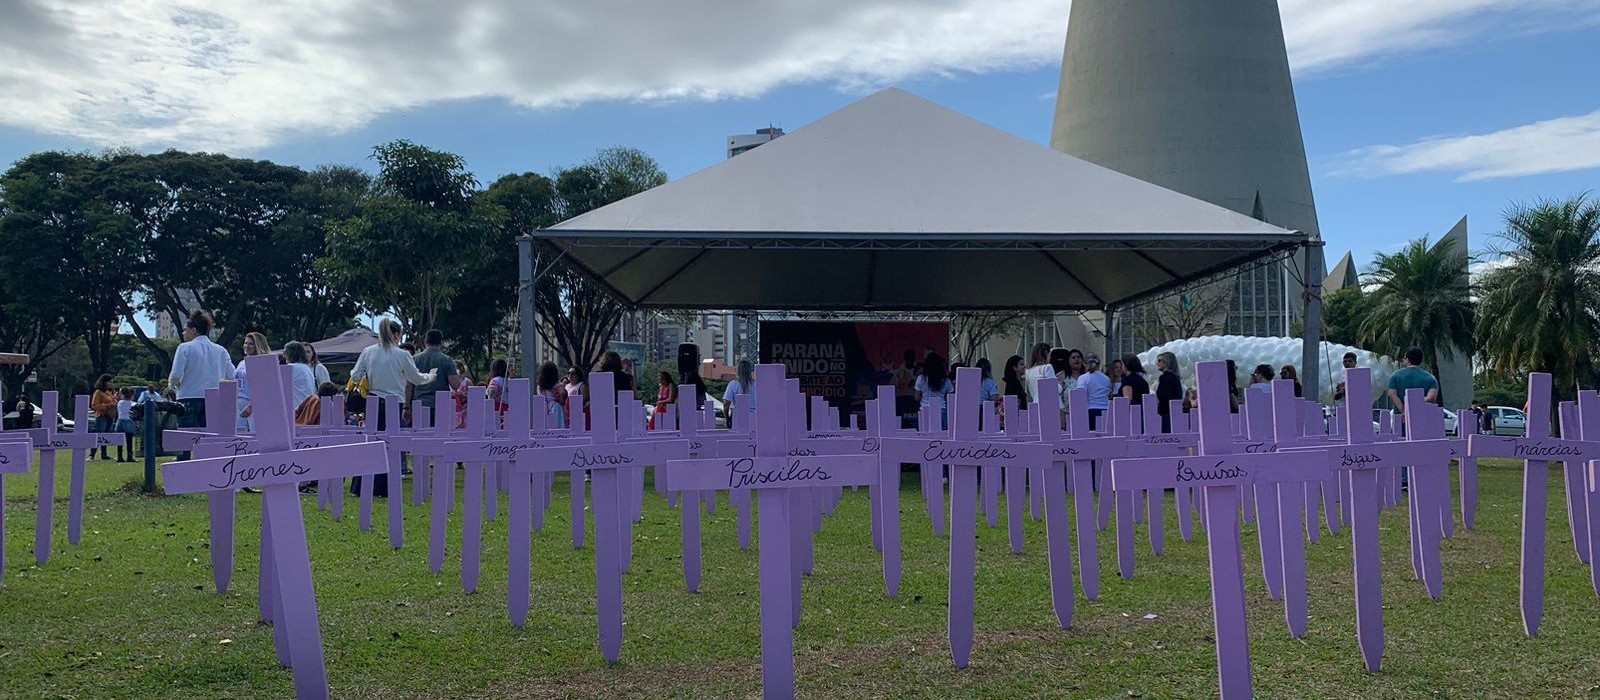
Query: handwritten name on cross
(1536, 450)
(278, 470)
(82, 443)
(1223, 475)
(604, 459)
(16, 453)
(770, 474)
(965, 453)
(1366, 461)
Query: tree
(59, 254)
(577, 316)
(1422, 298)
(404, 251)
(1540, 308)
(304, 304)
(1197, 312)
(201, 230)
(1343, 312)
(970, 332)
(487, 296)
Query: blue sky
(1413, 115)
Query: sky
(1414, 113)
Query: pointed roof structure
(1343, 276)
(896, 203)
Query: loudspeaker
(688, 361)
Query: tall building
(740, 143)
(1195, 97)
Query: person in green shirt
(1412, 376)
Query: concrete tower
(1456, 385)
(1195, 97)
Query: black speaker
(1058, 359)
(688, 361)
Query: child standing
(125, 422)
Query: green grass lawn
(130, 613)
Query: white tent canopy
(896, 203)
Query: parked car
(63, 423)
(1452, 426)
(1508, 421)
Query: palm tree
(1421, 297)
(1540, 305)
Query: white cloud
(1551, 146)
(239, 75)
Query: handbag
(355, 397)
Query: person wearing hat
(1099, 387)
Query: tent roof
(345, 347)
(894, 202)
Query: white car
(1508, 421)
(1452, 425)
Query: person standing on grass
(1039, 367)
(1169, 388)
(254, 344)
(555, 395)
(1338, 389)
(743, 383)
(303, 380)
(1134, 385)
(198, 365)
(1016, 384)
(574, 391)
(933, 386)
(390, 374)
(1412, 376)
(1098, 385)
(432, 358)
(103, 404)
(318, 370)
(1288, 372)
(125, 422)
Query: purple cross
(1589, 431)
(1222, 474)
(1577, 504)
(965, 453)
(16, 451)
(82, 443)
(1078, 449)
(772, 473)
(425, 447)
(1537, 450)
(279, 469)
(1367, 462)
(604, 458)
(44, 522)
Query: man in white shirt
(198, 365)
(1099, 387)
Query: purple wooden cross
(1537, 450)
(16, 452)
(45, 521)
(279, 469)
(1577, 504)
(605, 459)
(771, 473)
(1589, 431)
(1222, 474)
(1079, 448)
(82, 443)
(965, 453)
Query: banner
(845, 362)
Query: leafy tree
(1540, 310)
(970, 332)
(306, 305)
(1197, 312)
(1343, 312)
(202, 230)
(404, 251)
(1423, 298)
(577, 316)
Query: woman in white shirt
(742, 384)
(387, 368)
(1038, 368)
(318, 370)
(303, 380)
(933, 385)
(254, 344)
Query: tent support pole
(527, 314)
(1311, 348)
(1111, 342)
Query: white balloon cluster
(1247, 352)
